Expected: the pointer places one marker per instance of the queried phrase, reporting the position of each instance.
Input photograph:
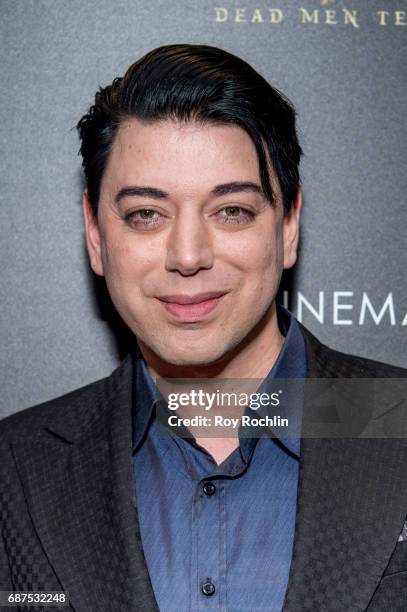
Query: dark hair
(194, 83)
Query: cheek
(127, 267)
(261, 255)
(125, 256)
(261, 263)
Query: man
(191, 209)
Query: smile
(191, 312)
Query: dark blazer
(69, 514)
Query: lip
(191, 308)
(191, 299)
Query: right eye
(142, 218)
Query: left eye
(236, 214)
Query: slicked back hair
(195, 83)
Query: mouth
(190, 309)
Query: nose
(189, 246)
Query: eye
(146, 213)
(145, 217)
(236, 214)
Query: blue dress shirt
(220, 537)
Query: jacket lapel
(352, 502)
(80, 493)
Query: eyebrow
(237, 187)
(159, 194)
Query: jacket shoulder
(28, 422)
(72, 412)
(330, 363)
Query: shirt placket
(208, 533)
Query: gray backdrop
(345, 71)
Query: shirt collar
(291, 363)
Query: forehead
(169, 154)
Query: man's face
(182, 214)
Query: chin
(195, 348)
(190, 357)
(188, 353)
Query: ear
(92, 234)
(291, 231)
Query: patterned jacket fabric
(68, 513)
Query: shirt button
(208, 588)
(209, 488)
